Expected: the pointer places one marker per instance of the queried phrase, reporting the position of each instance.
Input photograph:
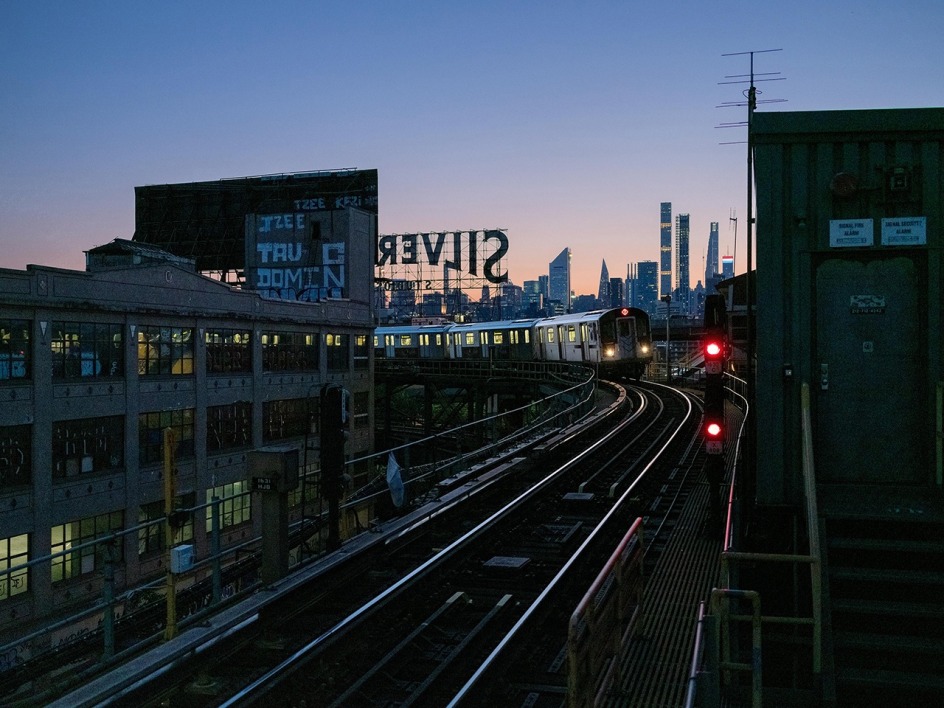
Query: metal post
(170, 630)
(667, 299)
(215, 550)
(108, 592)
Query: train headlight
(644, 348)
(610, 352)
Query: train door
(868, 372)
(626, 337)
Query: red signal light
(713, 348)
(713, 429)
(624, 311)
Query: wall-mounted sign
(844, 233)
(905, 231)
(866, 304)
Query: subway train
(617, 342)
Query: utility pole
(667, 299)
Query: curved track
(468, 601)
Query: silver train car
(617, 342)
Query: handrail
(814, 558)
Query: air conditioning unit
(181, 558)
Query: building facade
(665, 249)
(96, 364)
(559, 279)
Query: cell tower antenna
(750, 95)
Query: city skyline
(564, 125)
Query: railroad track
(425, 617)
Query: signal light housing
(714, 351)
(713, 430)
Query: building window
(87, 445)
(361, 352)
(151, 434)
(229, 427)
(16, 459)
(338, 351)
(86, 349)
(290, 351)
(165, 350)
(228, 351)
(14, 349)
(235, 505)
(151, 534)
(288, 419)
(14, 551)
(84, 560)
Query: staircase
(886, 598)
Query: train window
(438, 340)
(389, 339)
(571, 333)
(513, 336)
(498, 338)
(527, 336)
(483, 337)
(550, 335)
(424, 340)
(470, 338)
(406, 340)
(376, 341)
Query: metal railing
(709, 661)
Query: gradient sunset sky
(565, 123)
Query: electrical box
(181, 558)
(274, 469)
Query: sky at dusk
(564, 123)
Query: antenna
(751, 102)
(732, 216)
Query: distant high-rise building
(646, 290)
(544, 286)
(727, 267)
(682, 276)
(665, 249)
(711, 262)
(603, 293)
(559, 279)
(615, 293)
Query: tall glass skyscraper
(665, 249)
(646, 293)
(682, 276)
(711, 264)
(559, 279)
(603, 295)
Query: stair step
(886, 643)
(898, 576)
(923, 545)
(878, 608)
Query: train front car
(625, 342)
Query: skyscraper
(682, 276)
(665, 249)
(727, 267)
(559, 279)
(711, 263)
(646, 293)
(603, 294)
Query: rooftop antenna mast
(732, 216)
(750, 95)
